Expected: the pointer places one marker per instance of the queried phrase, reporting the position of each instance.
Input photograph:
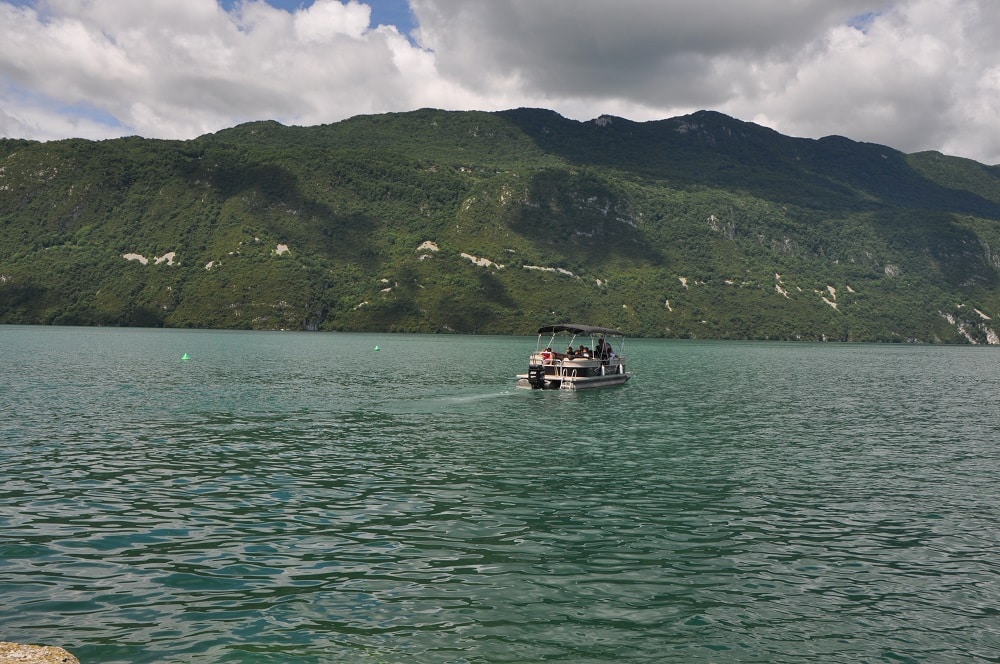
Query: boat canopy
(573, 328)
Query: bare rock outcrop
(19, 653)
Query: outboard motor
(536, 376)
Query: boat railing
(550, 359)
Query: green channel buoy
(376, 348)
(185, 356)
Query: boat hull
(573, 375)
(574, 383)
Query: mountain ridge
(698, 226)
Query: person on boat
(603, 349)
(547, 355)
(570, 353)
(583, 351)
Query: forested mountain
(699, 226)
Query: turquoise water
(293, 497)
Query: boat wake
(446, 403)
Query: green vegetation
(700, 226)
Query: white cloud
(914, 80)
(325, 21)
(179, 68)
(913, 74)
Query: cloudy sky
(912, 74)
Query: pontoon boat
(557, 364)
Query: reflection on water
(302, 497)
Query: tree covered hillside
(699, 226)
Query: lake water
(302, 497)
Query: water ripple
(736, 502)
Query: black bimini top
(573, 328)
